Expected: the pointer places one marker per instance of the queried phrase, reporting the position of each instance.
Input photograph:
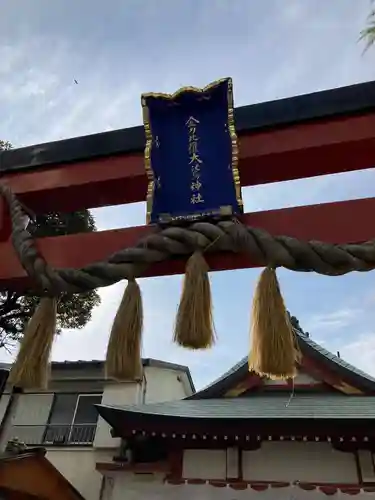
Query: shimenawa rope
(178, 242)
(273, 351)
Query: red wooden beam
(326, 222)
(293, 152)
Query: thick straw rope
(175, 242)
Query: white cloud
(334, 320)
(360, 352)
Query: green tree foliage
(74, 310)
(368, 33)
(4, 145)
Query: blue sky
(117, 50)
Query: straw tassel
(123, 361)
(32, 365)
(273, 347)
(194, 327)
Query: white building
(66, 422)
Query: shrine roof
(285, 406)
(308, 347)
(213, 403)
(345, 101)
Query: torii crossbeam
(317, 134)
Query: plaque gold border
(150, 138)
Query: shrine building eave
(320, 414)
(347, 101)
(285, 406)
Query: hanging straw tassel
(273, 347)
(32, 365)
(123, 361)
(194, 326)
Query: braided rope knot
(179, 242)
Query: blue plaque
(191, 154)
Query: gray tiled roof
(228, 373)
(264, 405)
(302, 339)
(306, 406)
(335, 359)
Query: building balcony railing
(54, 435)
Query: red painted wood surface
(326, 222)
(294, 152)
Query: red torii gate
(317, 134)
(300, 137)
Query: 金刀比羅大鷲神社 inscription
(191, 154)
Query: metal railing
(54, 434)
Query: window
(73, 419)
